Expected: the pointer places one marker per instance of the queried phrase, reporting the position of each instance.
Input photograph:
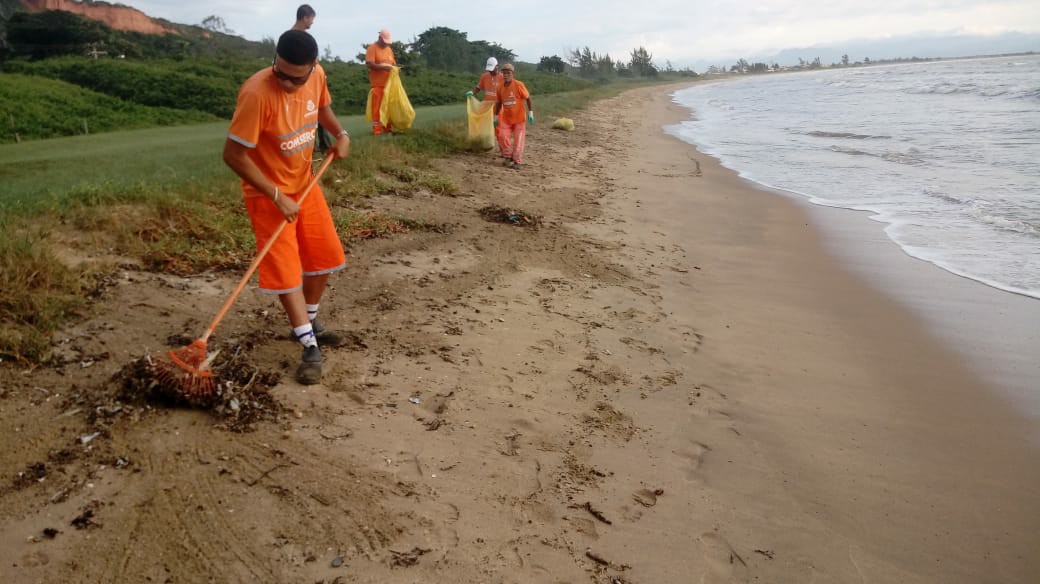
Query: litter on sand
(512, 216)
(566, 124)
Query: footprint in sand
(641, 346)
(693, 340)
(722, 563)
(694, 456)
(547, 345)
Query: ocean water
(946, 154)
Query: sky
(682, 32)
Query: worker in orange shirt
(269, 147)
(489, 83)
(510, 120)
(380, 60)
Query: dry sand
(669, 381)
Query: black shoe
(309, 371)
(327, 337)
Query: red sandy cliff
(116, 16)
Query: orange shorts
(308, 246)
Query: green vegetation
(450, 50)
(34, 107)
(198, 86)
(39, 295)
(134, 94)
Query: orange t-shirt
(512, 98)
(279, 128)
(490, 85)
(379, 55)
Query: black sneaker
(327, 337)
(309, 371)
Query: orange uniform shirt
(512, 98)
(378, 54)
(279, 128)
(490, 85)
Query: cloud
(679, 31)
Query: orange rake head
(186, 371)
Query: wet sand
(865, 445)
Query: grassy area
(164, 197)
(35, 107)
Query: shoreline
(901, 403)
(992, 327)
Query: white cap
(491, 64)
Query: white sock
(312, 311)
(305, 334)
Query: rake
(186, 371)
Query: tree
(642, 63)
(553, 64)
(845, 60)
(215, 23)
(55, 32)
(326, 55)
(584, 60)
(443, 48)
(448, 49)
(481, 50)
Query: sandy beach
(671, 377)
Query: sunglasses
(294, 80)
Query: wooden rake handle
(261, 255)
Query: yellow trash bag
(396, 111)
(566, 124)
(481, 115)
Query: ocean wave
(851, 151)
(911, 157)
(942, 88)
(848, 135)
(995, 91)
(946, 197)
(1005, 223)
